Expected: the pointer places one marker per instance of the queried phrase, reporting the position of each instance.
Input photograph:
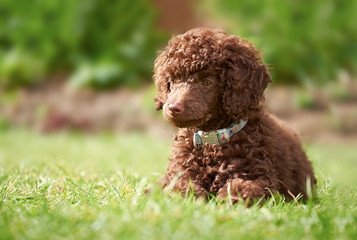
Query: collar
(218, 136)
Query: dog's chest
(208, 157)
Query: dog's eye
(206, 82)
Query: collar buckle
(209, 137)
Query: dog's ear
(158, 104)
(246, 78)
(162, 89)
(161, 82)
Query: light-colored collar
(218, 136)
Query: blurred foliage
(301, 40)
(102, 42)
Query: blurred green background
(103, 44)
(98, 43)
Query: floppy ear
(246, 78)
(161, 95)
(161, 82)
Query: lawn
(73, 186)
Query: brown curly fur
(206, 79)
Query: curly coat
(207, 79)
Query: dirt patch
(324, 119)
(56, 107)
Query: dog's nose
(176, 107)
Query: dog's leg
(244, 190)
(186, 186)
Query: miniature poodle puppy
(210, 85)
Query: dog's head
(205, 75)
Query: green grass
(70, 186)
